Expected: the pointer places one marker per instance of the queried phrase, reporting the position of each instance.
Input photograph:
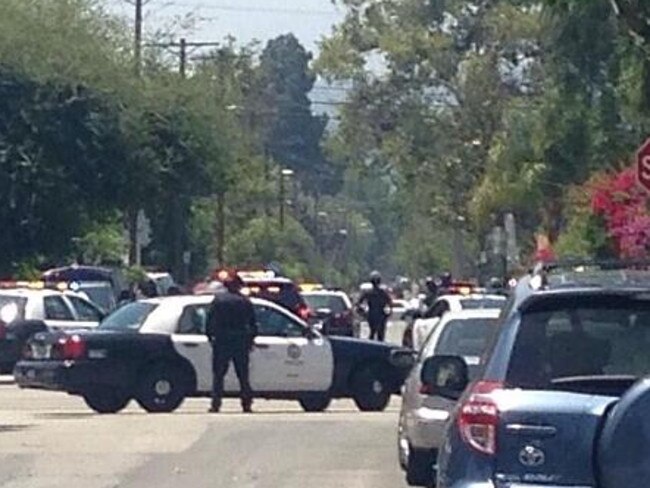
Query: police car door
(287, 356)
(190, 341)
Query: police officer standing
(379, 304)
(231, 328)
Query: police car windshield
(466, 337)
(130, 317)
(600, 338)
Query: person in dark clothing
(378, 302)
(431, 292)
(231, 328)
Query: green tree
(293, 134)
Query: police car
(155, 351)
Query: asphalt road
(52, 440)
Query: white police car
(155, 351)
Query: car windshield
(598, 339)
(12, 308)
(130, 317)
(319, 301)
(466, 337)
(482, 303)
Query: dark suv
(561, 399)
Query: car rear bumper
(426, 428)
(9, 351)
(489, 484)
(69, 376)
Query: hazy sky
(246, 20)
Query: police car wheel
(369, 390)
(106, 400)
(315, 403)
(162, 388)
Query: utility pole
(132, 213)
(181, 256)
(183, 58)
(137, 50)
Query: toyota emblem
(532, 457)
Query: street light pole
(284, 173)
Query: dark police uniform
(231, 329)
(379, 303)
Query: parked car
(331, 312)
(24, 312)
(399, 307)
(82, 274)
(161, 282)
(423, 417)
(562, 395)
(156, 352)
(415, 335)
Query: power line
(263, 10)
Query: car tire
(315, 403)
(162, 388)
(106, 400)
(419, 469)
(369, 389)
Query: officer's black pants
(377, 328)
(223, 352)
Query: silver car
(422, 417)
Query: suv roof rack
(541, 271)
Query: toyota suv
(563, 394)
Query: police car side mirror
(445, 376)
(311, 333)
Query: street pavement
(52, 440)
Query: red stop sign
(643, 165)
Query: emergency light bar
(38, 285)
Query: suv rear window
(581, 337)
(317, 301)
(285, 294)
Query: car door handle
(190, 344)
(531, 430)
(262, 346)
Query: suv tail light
(72, 347)
(479, 418)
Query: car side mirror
(445, 376)
(311, 333)
(403, 358)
